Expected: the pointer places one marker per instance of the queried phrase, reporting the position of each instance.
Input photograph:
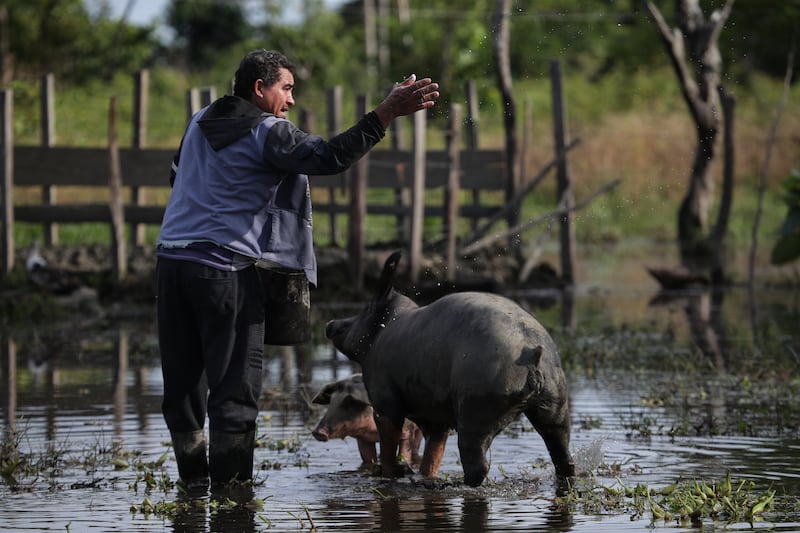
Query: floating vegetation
(294, 446)
(683, 502)
(171, 508)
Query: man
(241, 194)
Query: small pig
(469, 361)
(350, 414)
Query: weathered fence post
(471, 119)
(334, 98)
(192, 101)
(122, 346)
(9, 354)
(207, 95)
(48, 118)
(453, 188)
(564, 188)
(119, 254)
(307, 120)
(358, 209)
(472, 135)
(141, 97)
(527, 140)
(198, 98)
(7, 170)
(417, 196)
(401, 194)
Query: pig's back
(463, 343)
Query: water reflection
(60, 381)
(76, 385)
(226, 510)
(431, 513)
(703, 308)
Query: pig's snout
(321, 434)
(330, 329)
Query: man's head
(266, 78)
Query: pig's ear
(387, 276)
(323, 397)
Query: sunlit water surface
(102, 392)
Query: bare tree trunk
(717, 237)
(6, 62)
(384, 54)
(692, 47)
(370, 46)
(503, 67)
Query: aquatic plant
(292, 445)
(683, 502)
(11, 460)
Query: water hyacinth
(684, 502)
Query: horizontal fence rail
(128, 174)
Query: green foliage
(61, 37)
(684, 502)
(758, 37)
(787, 248)
(315, 45)
(203, 29)
(613, 64)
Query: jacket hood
(228, 119)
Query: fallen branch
(559, 211)
(517, 199)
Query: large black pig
(469, 361)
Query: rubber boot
(190, 452)
(230, 456)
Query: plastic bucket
(287, 306)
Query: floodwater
(690, 387)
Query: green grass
(634, 127)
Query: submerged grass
(685, 502)
(684, 392)
(25, 470)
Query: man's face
(276, 98)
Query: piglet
(471, 361)
(350, 414)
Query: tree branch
(559, 211)
(724, 13)
(673, 40)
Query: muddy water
(655, 399)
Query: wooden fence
(129, 172)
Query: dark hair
(259, 65)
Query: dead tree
(694, 52)
(501, 30)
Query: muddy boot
(230, 456)
(190, 452)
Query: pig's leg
(415, 442)
(433, 454)
(405, 444)
(555, 432)
(390, 431)
(367, 450)
(472, 448)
